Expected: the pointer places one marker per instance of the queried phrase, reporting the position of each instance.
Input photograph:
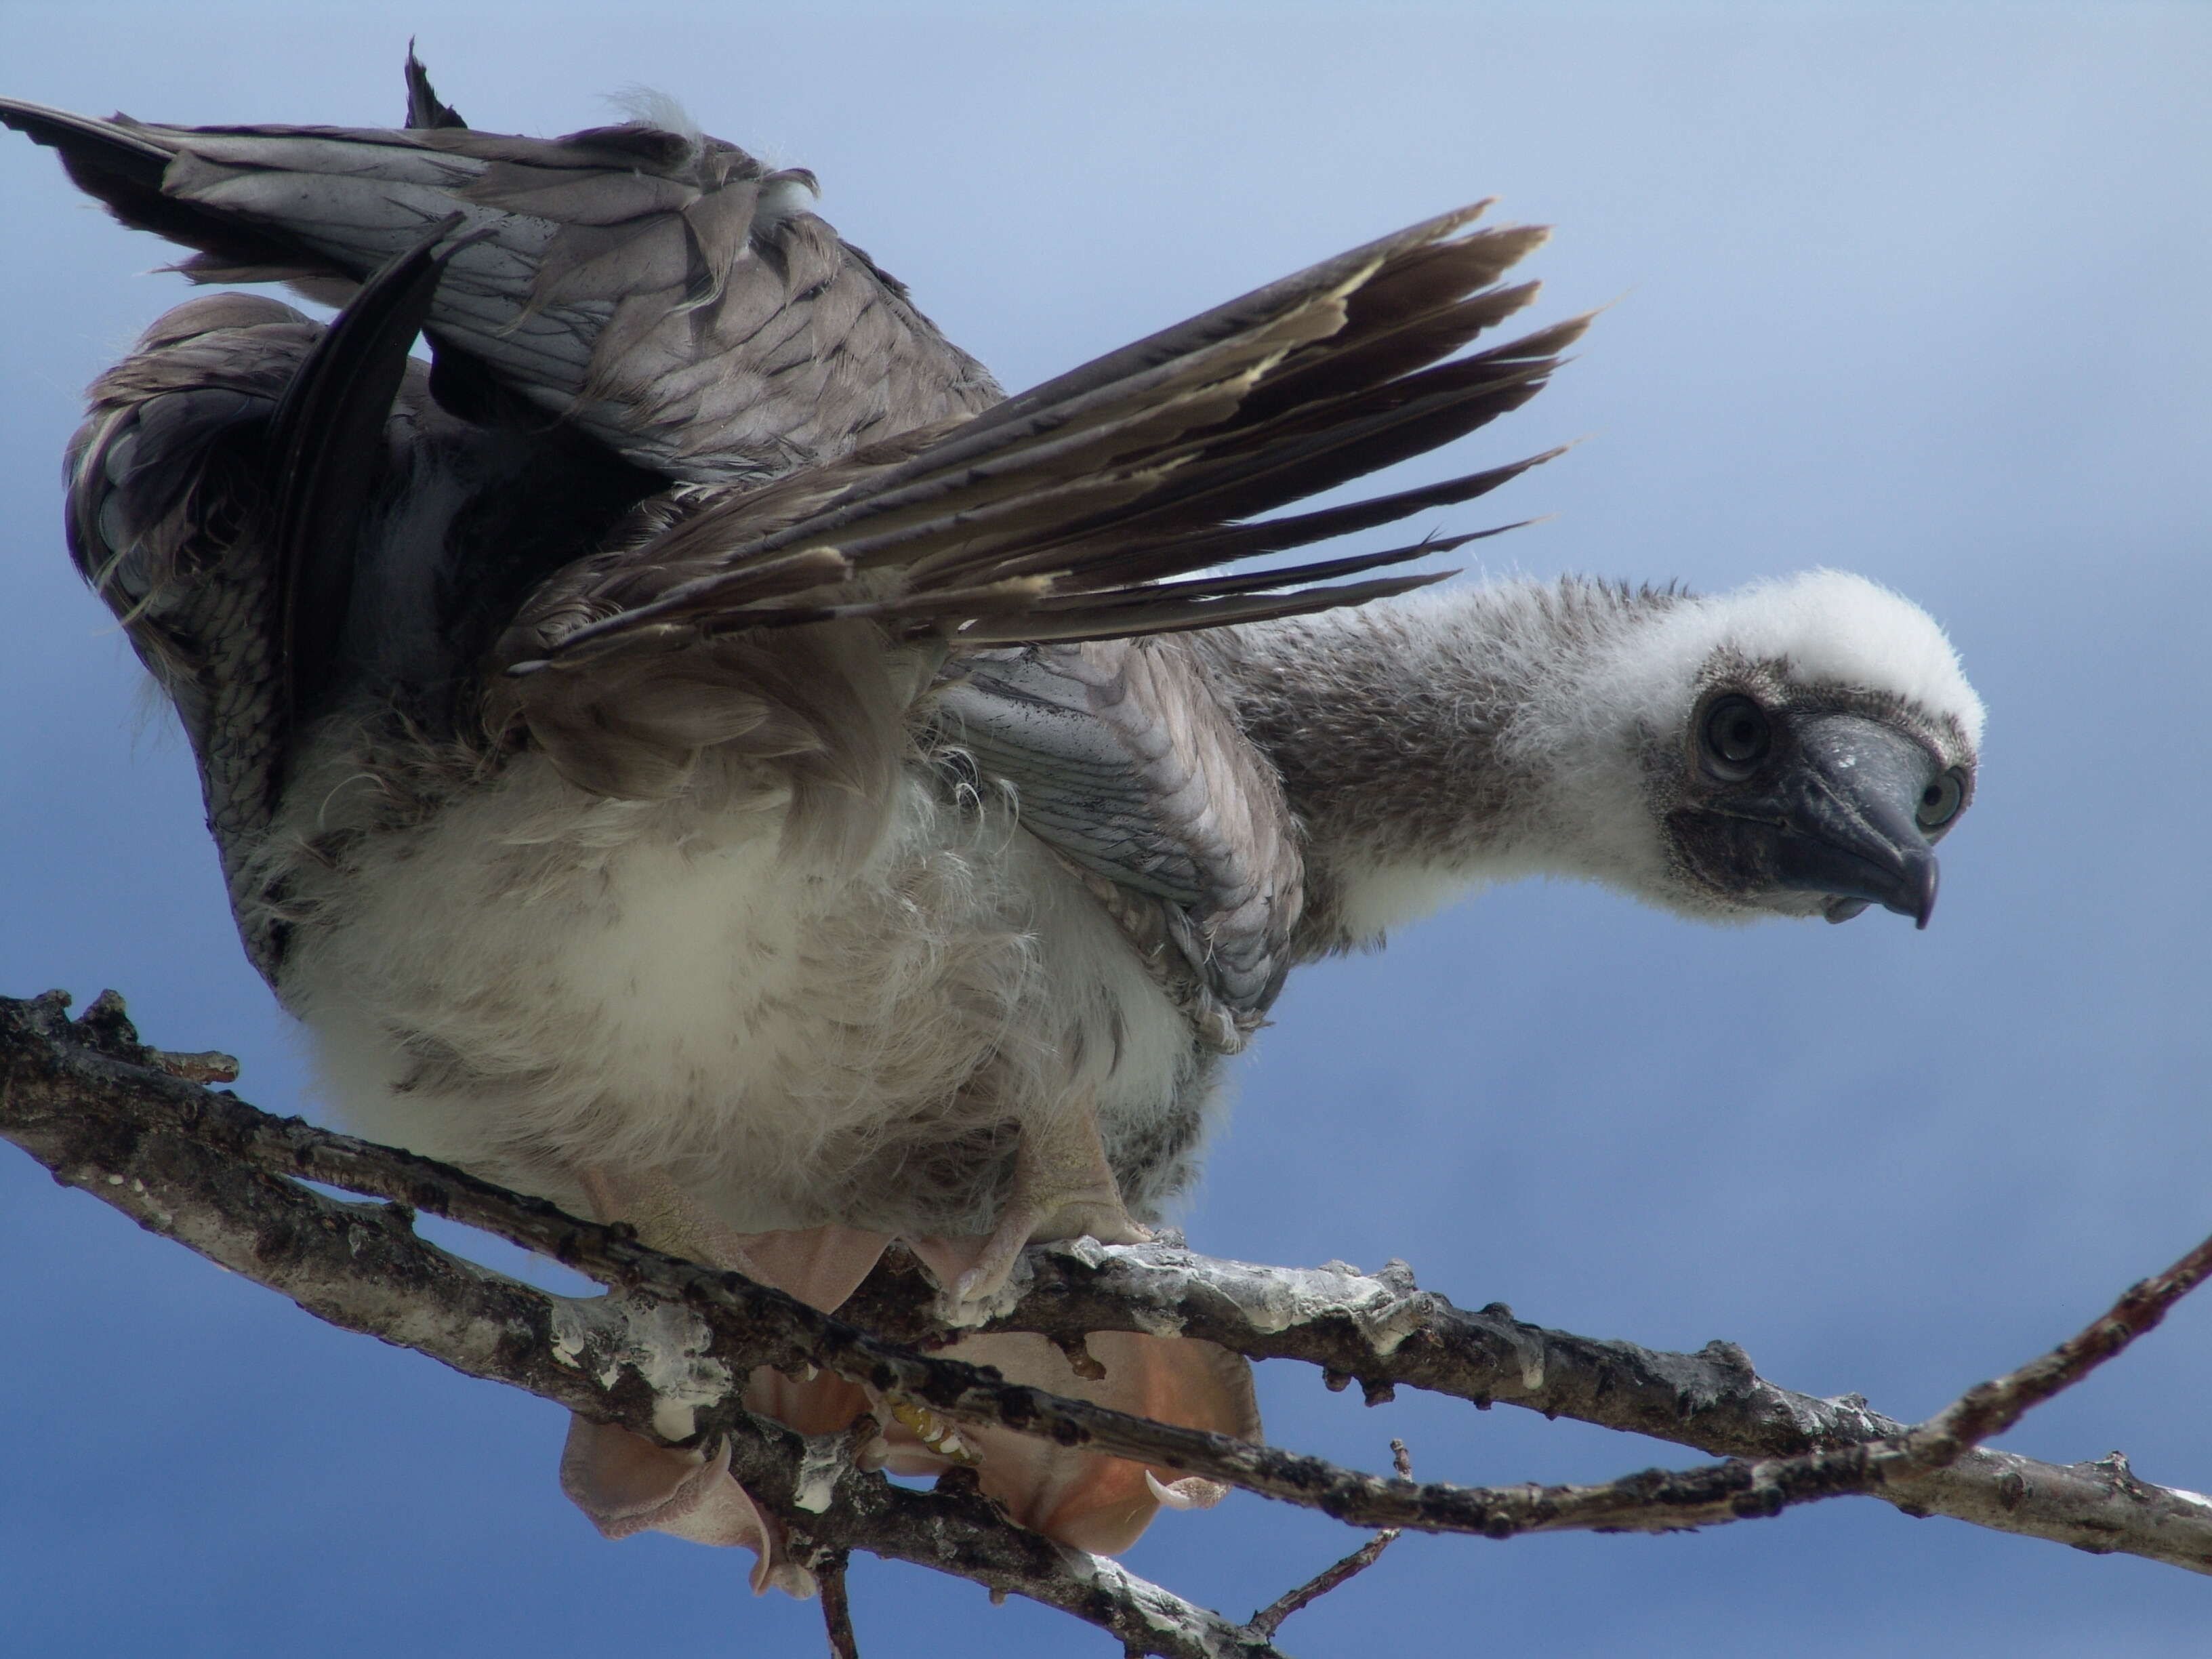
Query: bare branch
(836, 1611)
(1382, 1330)
(1269, 1618)
(105, 1116)
(80, 1098)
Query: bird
(697, 750)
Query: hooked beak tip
(1924, 904)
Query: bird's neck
(1437, 745)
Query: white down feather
(532, 981)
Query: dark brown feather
(666, 294)
(1135, 472)
(424, 107)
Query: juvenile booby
(697, 752)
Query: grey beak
(1846, 817)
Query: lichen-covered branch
(215, 1173)
(1269, 1618)
(1383, 1331)
(97, 1109)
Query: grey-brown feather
(1390, 734)
(163, 515)
(1061, 518)
(790, 618)
(1125, 757)
(670, 294)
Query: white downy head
(1793, 747)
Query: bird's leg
(1063, 1188)
(821, 1265)
(666, 1217)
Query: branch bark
(105, 1116)
(1383, 1331)
(666, 1352)
(1269, 1618)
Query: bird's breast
(530, 981)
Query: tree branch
(837, 1611)
(669, 1349)
(100, 1110)
(1384, 1331)
(1269, 1618)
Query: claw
(933, 1432)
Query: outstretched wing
(1064, 512)
(834, 462)
(666, 292)
(1078, 511)
(1114, 503)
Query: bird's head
(1798, 747)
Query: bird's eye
(1939, 801)
(1737, 736)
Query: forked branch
(132, 1127)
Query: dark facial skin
(1836, 798)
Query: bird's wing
(664, 291)
(1062, 512)
(1115, 502)
(1081, 510)
(162, 476)
(656, 291)
(1121, 755)
(236, 474)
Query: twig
(1992, 1407)
(837, 1611)
(1269, 1618)
(1987, 1408)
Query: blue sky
(1918, 292)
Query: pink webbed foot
(1063, 1188)
(1091, 1501)
(626, 1484)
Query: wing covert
(1122, 758)
(666, 292)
